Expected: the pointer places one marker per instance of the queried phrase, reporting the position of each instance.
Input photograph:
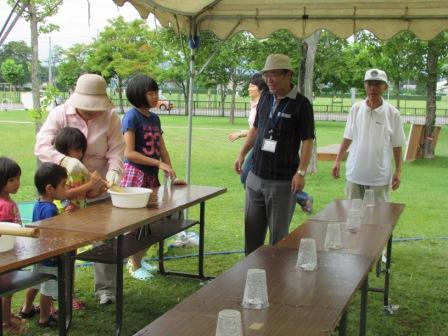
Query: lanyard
(273, 121)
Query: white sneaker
(107, 298)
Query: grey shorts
(50, 287)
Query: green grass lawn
(420, 267)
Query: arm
(131, 154)
(115, 144)
(396, 178)
(298, 181)
(165, 164)
(248, 144)
(84, 189)
(337, 162)
(237, 135)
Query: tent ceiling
(261, 17)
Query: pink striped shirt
(105, 143)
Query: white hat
(90, 94)
(375, 75)
(277, 62)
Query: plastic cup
(369, 198)
(307, 256)
(255, 291)
(229, 323)
(333, 236)
(168, 182)
(354, 221)
(356, 205)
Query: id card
(269, 145)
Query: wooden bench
(329, 153)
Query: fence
(321, 112)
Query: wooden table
(377, 226)
(301, 303)
(109, 222)
(51, 243)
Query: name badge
(269, 145)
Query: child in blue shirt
(50, 180)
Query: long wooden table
(301, 303)
(376, 231)
(109, 222)
(51, 243)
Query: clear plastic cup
(333, 236)
(354, 221)
(229, 323)
(307, 256)
(255, 291)
(356, 205)
(369, 198)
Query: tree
(37, 12)
(174, 59)
(11, 71)
(72, 65)
(124, 49)
(20, 52)
(435, 48)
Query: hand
(335, 170)
(177, 181)
(74, 166)
(167, 169)
(95, 178)
(297, 183)
(113, 178)
(396, 180)
(234, 136)
(238, 165)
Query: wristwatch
(301, 173)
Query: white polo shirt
(374, 133)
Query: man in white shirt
(375, 132)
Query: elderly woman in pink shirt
(90, 110)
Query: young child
(145, 151)
(9, 184)
(71, 142)
(50, 180)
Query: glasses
(273, 74)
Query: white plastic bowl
(132, 197)
(7, 242)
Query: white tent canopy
(425, 19)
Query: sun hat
(90, 94)
(375, 75)
(277, 62)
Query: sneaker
(107, 298)
(308, 207)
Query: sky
(72, 19)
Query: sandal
(141, 274)
(50, 323)
(27, 315)
(147, 266)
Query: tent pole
(190, 116)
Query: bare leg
(30, 295)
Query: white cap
(375, 75)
